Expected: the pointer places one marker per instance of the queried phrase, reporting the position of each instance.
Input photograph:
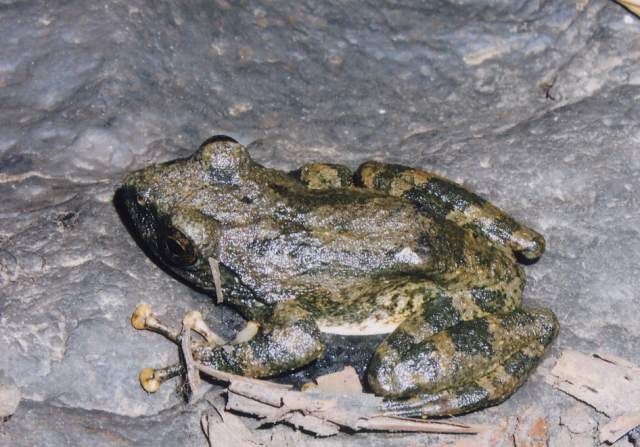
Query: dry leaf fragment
(345, 381)
(619, 427)
(224, 429)
(609, 384)
(606, 382)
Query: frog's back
(318, 240)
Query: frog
(387, 250)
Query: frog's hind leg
(490, 389)
(469, 365)
(440, 198)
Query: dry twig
(320, 412)
(631, 5)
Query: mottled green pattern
(388, 249)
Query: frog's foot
(289, 341)
(151, 378)
(440, 198)
(470, 365)
(143, 319)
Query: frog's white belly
(370, 326)
(377, 306)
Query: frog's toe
(193, 320)
(143, 319)
(151, 379)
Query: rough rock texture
(533, 104)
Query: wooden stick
(631, 5)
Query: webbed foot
(143, 319)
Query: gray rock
(634, 436)
(532, 104)
(9, 399)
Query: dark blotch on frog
(388, 249)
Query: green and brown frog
(387, 249)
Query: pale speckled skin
(389, 249)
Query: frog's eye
(178, 249)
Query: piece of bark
(345, 381)
(192, 374)
(270, 414)
(619, 427)
(325, 413)
(228, 377)
(608, 383)
(224, 429)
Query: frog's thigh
(442, 198)
(289, 340)
(490, 389)
(466, 366)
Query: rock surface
(535, 105)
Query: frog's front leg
(440, 198)
(469, 365)
(288, 339)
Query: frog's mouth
(140, 218)
(164, 244)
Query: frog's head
(178, 209)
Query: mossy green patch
(438, 197)
(490, 301)
(439, 313)
(520, 364)
(472, 337)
